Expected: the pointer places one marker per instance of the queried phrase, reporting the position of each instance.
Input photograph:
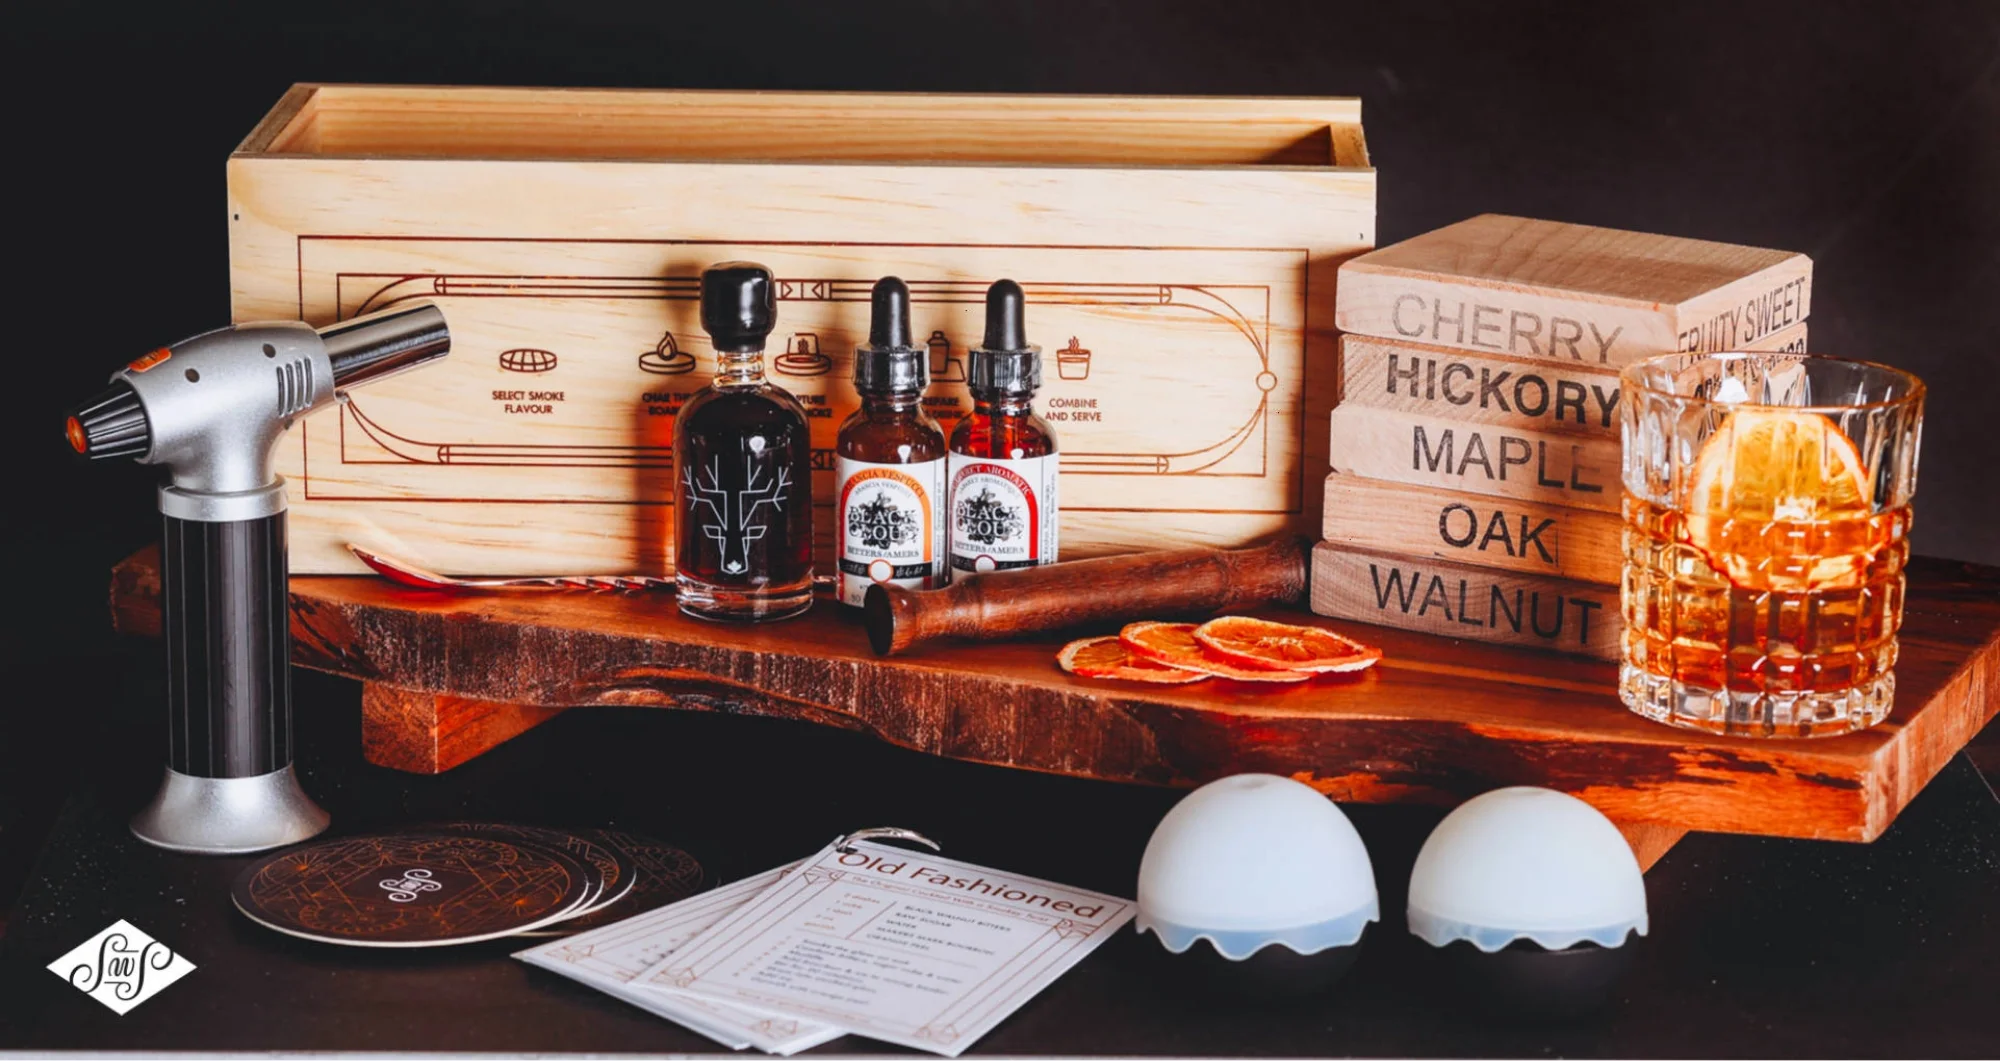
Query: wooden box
(1179, 257)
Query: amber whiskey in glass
(743, 519)
(1767, 518)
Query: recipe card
(905, 947)
(610, 958)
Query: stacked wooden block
(1475, 454)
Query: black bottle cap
(739, 306)
(890, 364)
(1005, 364)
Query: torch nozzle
(111, 424)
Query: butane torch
(211, 409)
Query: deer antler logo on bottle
(742, 540)
(736, 513)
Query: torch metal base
(229, 815)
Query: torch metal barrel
(369, 347)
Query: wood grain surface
(1459, 600)
(1572, 293)
(1178, 257)
(1421, 521)
(1437, 721)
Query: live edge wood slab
(449, 677)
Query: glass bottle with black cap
(1003, 464)
(889, 462)
(743, 519)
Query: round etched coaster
(617, 870)
(413, 889)
(666, 874)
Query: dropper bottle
(889, 462)
(1003, 462)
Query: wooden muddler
(1155, 585)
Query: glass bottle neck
(739, 369)
(1002, 406)
(890, 404)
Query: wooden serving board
(448, 677)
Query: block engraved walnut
(1454, 600)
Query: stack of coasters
(463, 882)
(1475, 485)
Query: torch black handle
(229, 683)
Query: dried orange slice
(1174, 645)
(1283, 646)
(1776, 494)
(1105, 657)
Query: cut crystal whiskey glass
(1767, 517)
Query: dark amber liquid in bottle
(996, 526)
(891, 431)
(743, 491)
(1006, 430)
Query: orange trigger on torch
(149, 360)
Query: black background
(1864, 134)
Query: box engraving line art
(1225, 326)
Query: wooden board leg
(429, 733)
(1650, 840)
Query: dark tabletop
(1759, 947)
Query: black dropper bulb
(1004, 364)
(1006, 317)
(889, 314)
(890, 364)
(739, 306)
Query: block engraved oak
(1457, 600)
(1438, 721)
(1572, 543)
(1575, 294)
(1178, 258)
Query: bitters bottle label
(891, 524)
(1003, 512)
